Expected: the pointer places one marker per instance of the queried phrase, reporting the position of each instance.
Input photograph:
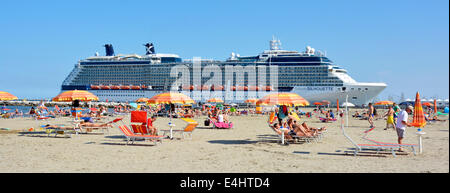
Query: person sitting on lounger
(302, 129)
(151, 128)
(287, 133)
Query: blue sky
(402, 43)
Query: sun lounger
(377, 147)
(412, 146)
(130, 136)
(187, 130)
(87, 129)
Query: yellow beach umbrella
(72, 95)
(170, 98)
(283, 98)
(215, 100)
(6, 96)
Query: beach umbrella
(318, 104)
(419, 118)
(142, 100)
(379, 103)
(283, 98)
(428, 104)
(6, 96)
(347, 104)
(337, 102)
(251, 100)
(170, 98)
(72, 95)
(435, 106)
(215, 100)
(325, 102)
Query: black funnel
(109, 50)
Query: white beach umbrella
(347, 104)
(408, 99)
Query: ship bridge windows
(170, 59)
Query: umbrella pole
(346, 110)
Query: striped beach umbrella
(139, 100)
(72, 95)
(215, 100)
(6, 96)
(170, 98)
(283, 98)
(379, 103)
(419, 118)
(251, 100)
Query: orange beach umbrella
(283, 98)
(325, 102)
(419, 118)
(72, 95)
(383, 103)
(170, 98)
(142, 100)
(251, 100)
(6, 96)
(215, 100)
(428, 104)
(337, 102)
(318, 103)
(435, 106)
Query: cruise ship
(309, 73)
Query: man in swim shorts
(371, 114)
(390, 118)
(402, 123)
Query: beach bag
(207, 122)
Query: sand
(251, 146)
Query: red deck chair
(139, 117)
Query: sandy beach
(251, 146)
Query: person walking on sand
(371, 114)
(402, 123)
(397, 110)
(390, 118)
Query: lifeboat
(135, 87)
(268, 88)
(217, 88)
(253, 88)
(125, 87)
(115, 87)
(187, 87)
(205, 87)
(104, 87)
(95, 87)
(144, 86)
(241, 88)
